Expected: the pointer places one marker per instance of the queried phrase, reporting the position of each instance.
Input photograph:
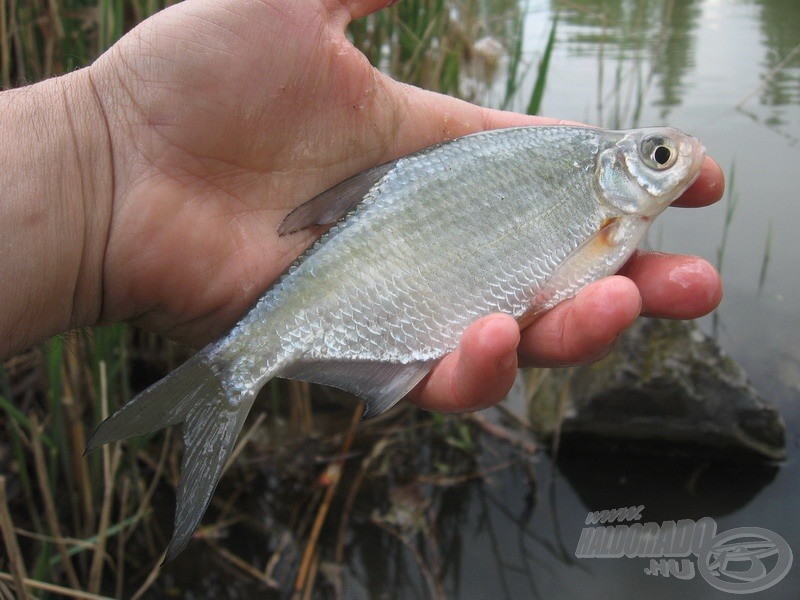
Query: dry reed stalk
(295, 528)
(5, 48)
(13, 33)
(151, 577)
(450, 481)
(272, 563)
(5, 592)
(352, 493)
(144, 507)
(502, 433)
(237, 450)
(308, 592)
(331, 479)
(56, 589)
(15, 559)
(111, 460)
(241, 564)
(122, 539)
(49, 504)
(52, 38)
(302, 414)
(75, 371)
(158, 473)
(521, 421)
(78, 543)
(144, 504)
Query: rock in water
(665, 388)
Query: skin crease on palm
(224, 115)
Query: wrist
(55, 209)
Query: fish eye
(658, 152)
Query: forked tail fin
(193, 396)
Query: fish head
(642, 171)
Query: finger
(584, 328)
(479, 373)
(673, 286)
(709, 187)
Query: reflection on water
(780, 30)
(730, 74)
(780, 84)
(642, 50)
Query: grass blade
(541, 77)
(515, 72)
(762, 276)
(56, 589)
(12, 545)
(731, 200)
(13, 413)
(51, 514)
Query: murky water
(728, 72)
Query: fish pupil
(662, 154)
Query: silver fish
(513, 220)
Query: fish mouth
(699, 154)
(697, 151)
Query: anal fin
(379, 384)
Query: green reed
(731, 202)
(762, 274)
(537, 94)
(86, 522)
(433, 44)
(52, 396)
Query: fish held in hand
(513, 221)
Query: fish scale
(456, 282)
(510, 221)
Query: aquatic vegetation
(82, 526)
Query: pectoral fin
(331, 205)
(602, 254)
(381, 385)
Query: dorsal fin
(331, 205)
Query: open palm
(224, 115)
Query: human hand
(224, 120)
(223, 116)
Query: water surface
(729, 73)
